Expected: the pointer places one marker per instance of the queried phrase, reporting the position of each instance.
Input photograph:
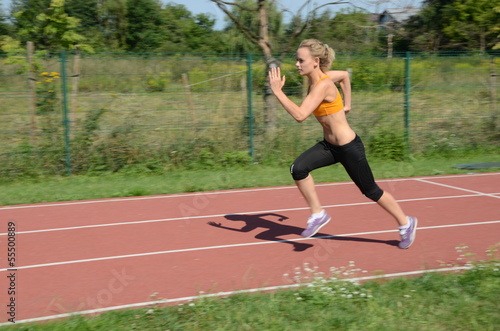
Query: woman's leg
(308, 191)
(315, 157)
(354, 160)
(390, 204)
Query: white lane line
(234, 213)
(194, 249)
(459, 188)
(224, 294)
(169, 196)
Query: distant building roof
(397, 15)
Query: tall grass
(139, 180)
(132, 110)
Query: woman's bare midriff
(336, 130)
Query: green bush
(388, 144)
(157, 82)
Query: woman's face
(305, 62)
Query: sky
(208, 7)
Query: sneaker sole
(413, 235)
(319, 227)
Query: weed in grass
(324, 290)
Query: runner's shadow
(275, 230)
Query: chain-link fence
(72, 113)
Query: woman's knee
(298, 171)
(374, 194)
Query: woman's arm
(310, 103)
(342, 77)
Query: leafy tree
(114, 23)
(247, 14)
(24, 13)
(90, 26)
(11, 49)
(252, 19)
(256, 21)
(473, 24)
(86, 11)
(454, 24)
(496, 29)
(197, 32)
(5, 27)
(187, 33)
(350, 30)
(144, 25)
(175, 14)
(50, 28)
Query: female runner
(340, 143)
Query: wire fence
(72, 114)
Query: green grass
(117, 120)
(433, 301)
(138, 182)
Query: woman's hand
(276, 82)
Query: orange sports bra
(327, 108)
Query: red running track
(92, 256)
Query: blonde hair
(318, 49)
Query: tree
(196, 32)
(246, 14)
(350, 30)
(24, 13)
(424, 31)
(86, 11)
(51, 29)
(144, 25)
(188, 33)
(262, 38)
(252, 20)
(114, 22)
(90, 26)
(455, 24)
(473, 24)
(5, 28)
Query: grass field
(139, 181)
(127, 110)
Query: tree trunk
(270, 108)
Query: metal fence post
(67, 148)
(407, 102)
(250, 115)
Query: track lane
(219, 259)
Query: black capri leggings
(351, 156)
